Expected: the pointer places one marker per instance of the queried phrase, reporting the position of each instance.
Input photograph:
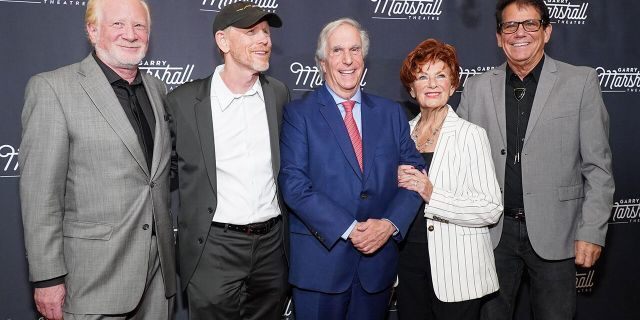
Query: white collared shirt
(246, 187)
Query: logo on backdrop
(407, 9)
(309, 77)
(171, 75)
(9, 161)
(466, 73)
(567, 12)
(65, 3)
(625, 211)
(584, 280)
(623, 79)
(217, 5)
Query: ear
(412, 93)
(222, 41)
(452, 90)
(499, 39)
(323, 65)
(547, 33)
(92, 32)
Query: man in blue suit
(340, 151)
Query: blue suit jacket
(324, 187)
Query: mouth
(347, 72)
(433, 94)
(520, 44)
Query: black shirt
(136, 105)
(519, 96)
(418, 230)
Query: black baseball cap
(243, 15)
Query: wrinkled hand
(587, 253)
(49, 301)
(415, 180)
(370, 235)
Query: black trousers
(416, 298)
(239, 276)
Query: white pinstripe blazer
(466, 199)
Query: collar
(112, 76)
(224, 96)
(357, 97)
(533, 75)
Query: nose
(431, 82)
(520, 31)
(347, 58)
(129, 33)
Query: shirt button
(430, 228)
(364, 196)
(200, 240)
(145, 227)
(503, 152)
(152, 184)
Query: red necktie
(352, 129)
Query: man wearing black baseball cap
(225, 161)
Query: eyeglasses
(530, 25)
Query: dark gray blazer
(88, 198)
(567, 180)
(193, 163)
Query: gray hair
(321, 50)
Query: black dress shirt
(136, 105)
(519, 96)
(418, 230)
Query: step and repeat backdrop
(40, 35)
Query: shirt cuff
(394, 225)
(48, 283)
(346, 234)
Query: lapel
(448, 131)
(371, 124)
(546, 82)
(272, 121)
(331, 115)
(157, 104)
(95, 84)
(204, 124)
(497, 91)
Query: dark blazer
(323, 185)
(193, 162)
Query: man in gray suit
(225, 129)
(549, 130)
(95, 178)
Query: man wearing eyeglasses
(549, 130)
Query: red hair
(429, 51)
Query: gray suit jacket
(567, 181)
(88, 198)
(193, 163)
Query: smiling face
(432, 86)
(120, 34)
(523, 49)
(343, 64)
(246, 49)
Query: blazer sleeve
(324, 218)
(596, 164)
(44, 156)
(404, 206)
(476, 200)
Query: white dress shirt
(246, 187)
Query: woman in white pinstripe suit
(447, 264)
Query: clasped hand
(370, 235)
